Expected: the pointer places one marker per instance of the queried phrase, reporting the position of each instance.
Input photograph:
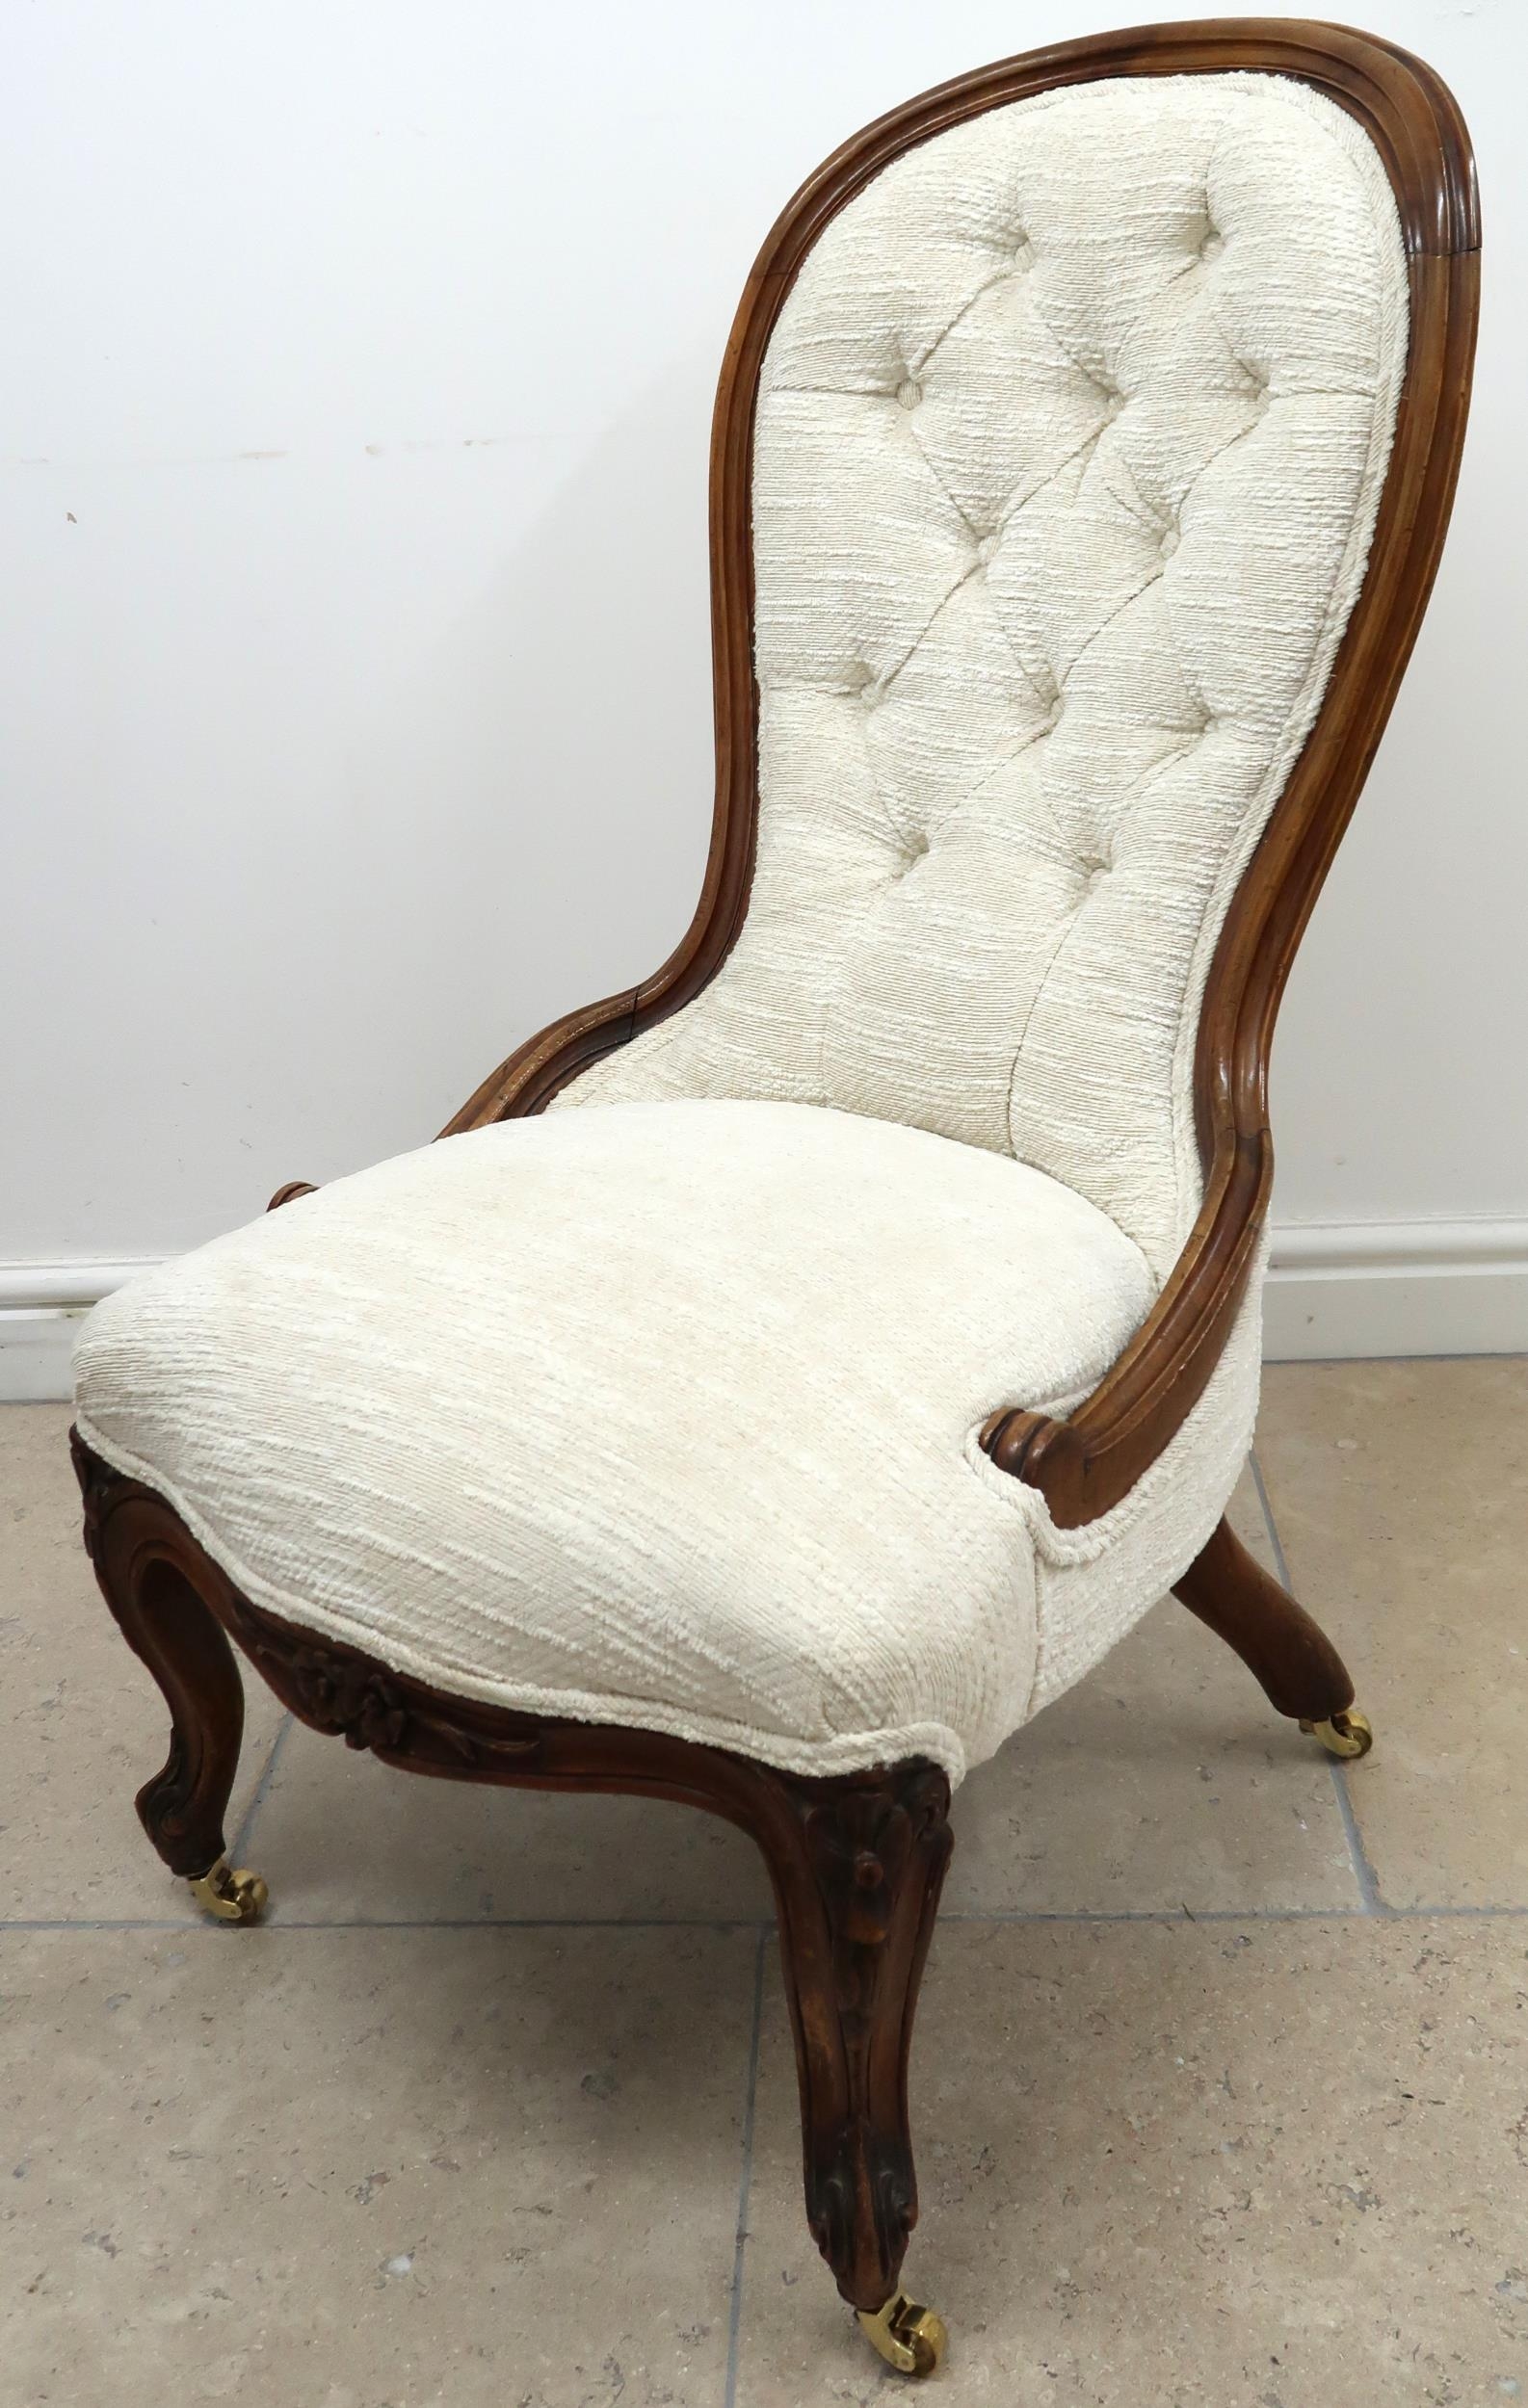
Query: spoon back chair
(790, 1374)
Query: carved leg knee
(858, 1867)
(1290, 1655)
(138, 1548)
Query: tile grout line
(1281, 1561)
(199, 1926)
(745, 2180)
(246, 1825)
(1363, 1872)
(1487, 1354)
(1235, 1914)
(720, 1927)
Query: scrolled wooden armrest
(1089, 1463)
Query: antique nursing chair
(790, 1376)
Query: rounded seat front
(655, 1413)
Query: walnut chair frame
(857, 1863)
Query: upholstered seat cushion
(663, 1413)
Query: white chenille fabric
(1068, 453)
(662, 1414)
(662, 1408)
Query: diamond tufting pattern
(1069, 448)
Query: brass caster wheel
(909, 2337)
(1350, 1733)
(234, 1898)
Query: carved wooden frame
(1087, 1462)
(857, 1863)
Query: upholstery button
(912, 852)
(986, 547)
(1170, 541)
(1023, 253)
(909, 393)
(1213, 245)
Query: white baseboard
(42, 1306)
(34, 1349)
(1399, 1287)
(1336, 1289)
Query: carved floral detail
(352, 1698)
(349, 1699)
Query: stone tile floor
(1221, 2084)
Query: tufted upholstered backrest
(1069, 448)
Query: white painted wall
(358, 367)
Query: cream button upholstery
(913, 850)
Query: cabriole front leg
(858, 1867)
(141, 1552)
